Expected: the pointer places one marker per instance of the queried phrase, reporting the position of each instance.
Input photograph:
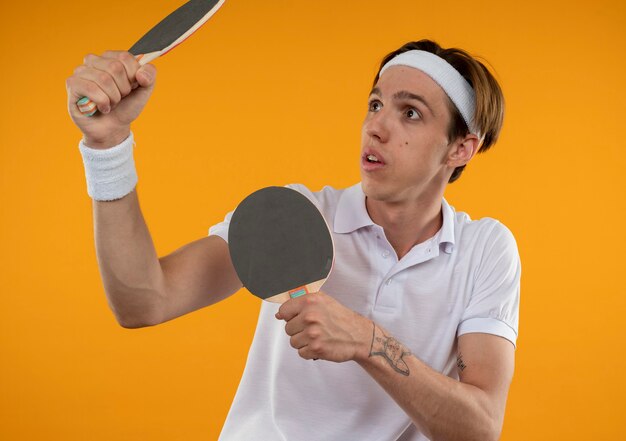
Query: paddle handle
(302, 290)
(89, 108)
(297, 292)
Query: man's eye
(375, 106)
(412, 114)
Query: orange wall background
(274, 92)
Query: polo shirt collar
(351, 215)
(447, 229)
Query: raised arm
(142, 289)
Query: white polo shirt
(466, 278)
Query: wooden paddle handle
(89, 108)
(297, 292)
(86, 106)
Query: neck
(407, 224)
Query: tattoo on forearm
(460, 363)
(390, 349)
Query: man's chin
(375, 191)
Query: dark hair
(489, 113)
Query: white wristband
(110, 172)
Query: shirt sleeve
(221, 229)
(494, 304)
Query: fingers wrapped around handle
(107, 79)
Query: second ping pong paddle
(280, 244)
(167, 34)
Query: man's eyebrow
(404, 94)
(376, 91)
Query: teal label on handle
(298, 293)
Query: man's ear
(463, 149)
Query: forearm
(128, 262)
(441, 407)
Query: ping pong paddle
(169, 33)
(280, 244)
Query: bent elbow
(136, 320)
(492, 432)
(487, 431)
(133, 323)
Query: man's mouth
(372, 161)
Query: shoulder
(485, 234)
(325, 199)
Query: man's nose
(377, 126)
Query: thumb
(146, 75)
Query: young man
(422, 300)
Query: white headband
(449, 79)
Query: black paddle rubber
(173, 26)
(279, 241)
